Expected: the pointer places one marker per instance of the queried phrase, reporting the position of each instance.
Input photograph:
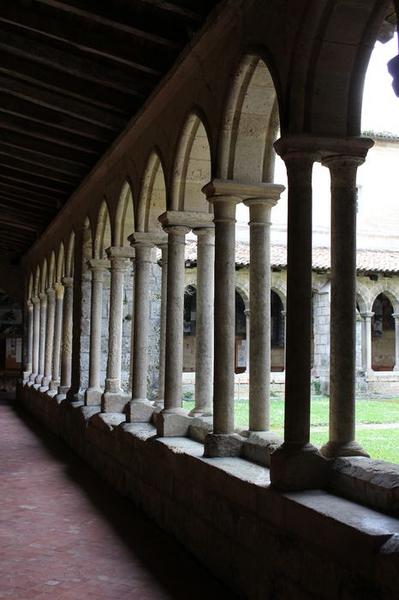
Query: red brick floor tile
(66, 535)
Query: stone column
(396, 365)
(94, 392)
(140, 408)
(66, 339)
(247, 314)
(296, 464)
(29, 342)
(162, 333)
(42, 337)
(366, 340)
(259, 303)
(174, 318)
(36, 339)
(205, 321)
(343, 168)
(48, 356)
(113, 398)
(59, 301)
(223, 196)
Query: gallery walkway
(65, 535)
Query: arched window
(383, 334)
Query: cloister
(143, 255)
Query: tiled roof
(367, 260)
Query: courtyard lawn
(380, 442)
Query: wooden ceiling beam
(18, 224)
(23, 109)
(38, 159)
(36, 181)
(12, 211)
(16, 164)
(33, 92)
(77, 66)
(40, 145)
(28, 194)
(20, 203)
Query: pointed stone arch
(69, 255)
(60, 265)
(124, 218)
(250, 125)
(193, 167)
(152, 202)
(102, 236)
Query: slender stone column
(140, 408)
(260, 289)
(94, 392)
(59, 301)
(162, 333)
(396, 365)
(224, 199)
(205, 321)
(174, 318)
(36, 338)
(66, 341)
(296, 464)
(247, 314)
(48, 356)
(42, 337)
(114, 399)
(343, 168)
(29, 342)
(366, 340)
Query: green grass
(380, 443)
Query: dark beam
(61, 189)
(18, 224)
(28, 194)
(38, 159)
(51, 118)
(60, 102)
(27, 142)
(27, 212)
(78, 66)
(48, 134)
(18, 202)
(27, 168)
(62, 83)
(74, 25)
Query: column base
(223, 444)
(337, 449)
(114, 402)
(25, 377)
(43, 388)
(259, 446)
(39, 379)
(139, 411)
(205, 411)
(51, 393)
(173, 423)
(93, 396)
(294, 467)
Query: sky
(380, 105)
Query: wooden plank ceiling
(72, 74)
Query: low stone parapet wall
(262, 543)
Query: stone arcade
(104, 321)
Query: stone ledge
(372, 482)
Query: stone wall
(262, 543)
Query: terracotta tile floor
(65, 535)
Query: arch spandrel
(124, 224)
(52, 270)
(60, 266)
(69, 256)
(102, 235)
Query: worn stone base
(259, 446)
(114, 402)
(298, 468)
(172, 424)
(139, 411)
(93, 396)
(336, 449)
(223, 444)
(43, 388)
(264, 544)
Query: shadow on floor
(170, 564)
